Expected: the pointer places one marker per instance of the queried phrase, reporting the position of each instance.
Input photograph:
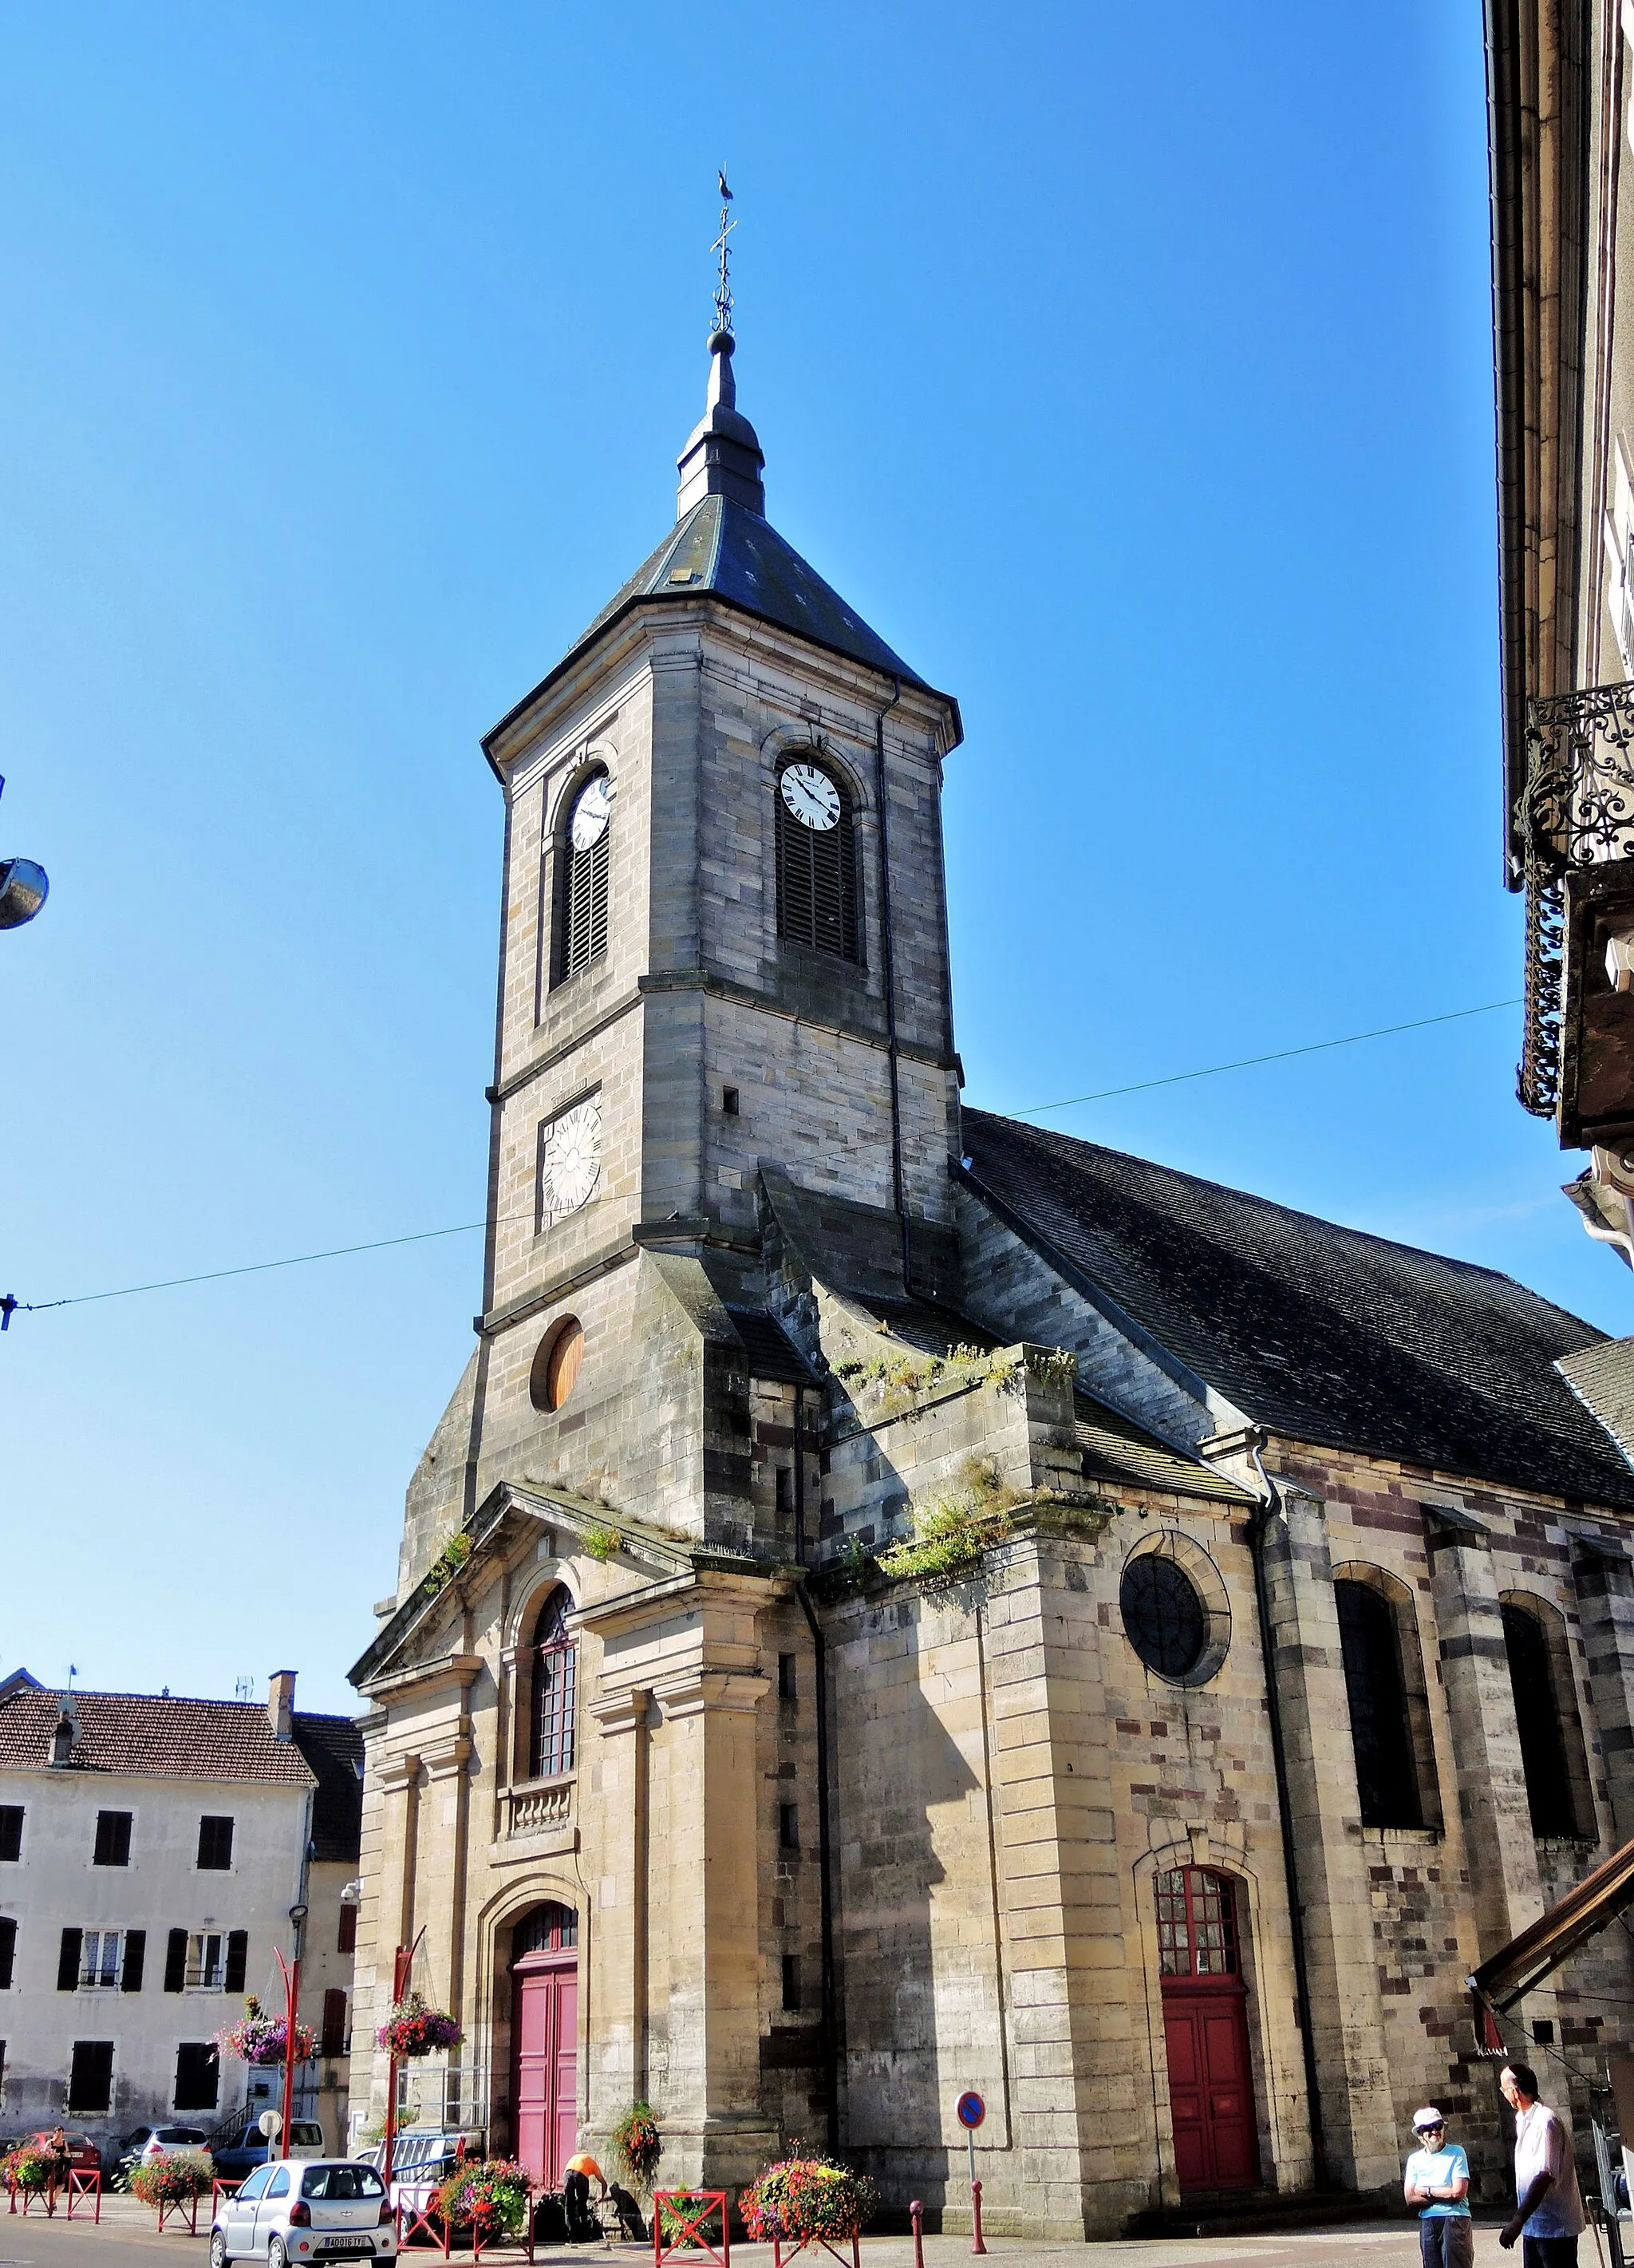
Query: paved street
(126, 2231)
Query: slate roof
(333, 1746)
(161, 1735)
(722, 550)
(1316, 1332)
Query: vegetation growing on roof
(447, 1562)
(955, 1528)
(601, 1543)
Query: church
(903, 1603)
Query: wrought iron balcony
(1577, 820)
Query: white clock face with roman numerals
(811, 797)
(570, 1160)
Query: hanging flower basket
(638, 2145)
(808, 2198)
(259, 2039)
(415, 2029)
(488, 2194)
(173, 2178)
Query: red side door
(544, 2034)
(1210, 2088)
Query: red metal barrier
(220, 2188)
(780, 2259)
(690, 2236)
(83, 2183)
(414, 2219)
(172, 2209)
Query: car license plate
(356, 2246)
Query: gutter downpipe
(888, 950)
(1271, 1508)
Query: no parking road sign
(970, 2110)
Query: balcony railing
(1578, 811)
(539, 1807)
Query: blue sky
(1130, 373)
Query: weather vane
(722, 289)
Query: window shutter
(176, 1961)
(8, 1953)
(67, 1960)
(347, 1939)
(136, 1955)
(198, 2076)
(817, 882)
(584, 903)
(90, 2076)
(215, 1844)
(10, 1831)
(333, 2037)
(237, 1960)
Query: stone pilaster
(1605, 1589)
(691, 1645)
(1346, 2012)
(1492, 1805)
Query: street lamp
(292, 1995)
(23, 887)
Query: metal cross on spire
(723, 289)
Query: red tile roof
(155, 1734)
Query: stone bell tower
(725, 937)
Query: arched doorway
(544, 2039)
(1205, 2031)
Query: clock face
(811, 797)
(592, 813)
(570, 1160)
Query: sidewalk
(128, 2228)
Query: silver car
(294, 2213)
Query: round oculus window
(1164, 1616)
(556, 1365)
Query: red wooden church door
(1205, 2032)
(544, 2042)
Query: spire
(723, 455)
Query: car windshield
(342, 2185)
(179, 2134)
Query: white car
(298, 2211)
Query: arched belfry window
(553, 1721)
(1546, 1717)
(1381, 1732)
(816, 861)
(582, 899)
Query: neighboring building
(151, 1849)
(1560, 82)
(686, 1781)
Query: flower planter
(414, 2029)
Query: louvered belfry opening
(817, 882)
(583, 896)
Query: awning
(1523, 1964)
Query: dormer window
(582, 919)
(816, 862)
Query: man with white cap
(1437, 2181)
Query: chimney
(280, 1704)
(62, 1738)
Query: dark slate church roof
(722, 550)
(1313, 1331)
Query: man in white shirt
(1437, 2181)
(1548, 2213)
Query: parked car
(159, 2140)
(423, 2157)
(85, 2156)
(327, 2208)
(247, 2149)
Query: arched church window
(816, 862)
(1196, 1923)
(583, 897)
(1380, 1732)
(554, 1684)
(1546, 1717)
